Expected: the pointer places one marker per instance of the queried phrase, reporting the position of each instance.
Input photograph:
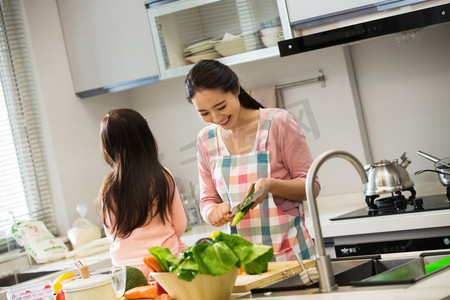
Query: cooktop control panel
(407, 245)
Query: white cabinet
(308, 9)
(231, 31)
(309, 13)
(109, 45)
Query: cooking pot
(442, 167)
(387, 177)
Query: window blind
(24, 188)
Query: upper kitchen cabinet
(310, 16)
(231, 31)
(310, 10)
(109, 45)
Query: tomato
(61, 295)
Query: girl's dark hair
(211, 74)
(138, 188)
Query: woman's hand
(262, 183)
(291, 189)
(219, 215)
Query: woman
(139, 201)
(247, 143)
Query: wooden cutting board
(276, 271)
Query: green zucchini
(245, 205)
(237, 218)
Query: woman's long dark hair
(138, 188)
(210, 75)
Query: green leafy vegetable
(254, 257)
(215, 259)
(165, 258)
(218, 258)
(255, 268)
(257, 261)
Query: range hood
(366, 30)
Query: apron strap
(264, 125)
(213, 142)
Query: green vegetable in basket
(226, 252)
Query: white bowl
(271, 36)
(201, 287)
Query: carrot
(153, 264)
(148, 291)
(241, 270)
(148, 264)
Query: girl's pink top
(289, 154)
(131, 250)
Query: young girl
(247, 143)
(139, 201)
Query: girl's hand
(260, 184)
(219, 215)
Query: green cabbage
(227, 251)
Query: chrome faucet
(327, 282)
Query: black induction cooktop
(430, 203)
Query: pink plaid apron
(265, 224)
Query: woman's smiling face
(215, 106)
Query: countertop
(434, 287)
(95, 262)
(69, 264)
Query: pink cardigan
(290, 158)
(131, 250)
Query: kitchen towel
(268, 96)
(96, 244)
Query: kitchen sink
(408, 272)
(15, 278)
(344, 271)
(361, 272)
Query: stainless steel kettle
(387, 177)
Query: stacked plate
(234, 44)
(200, 49)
